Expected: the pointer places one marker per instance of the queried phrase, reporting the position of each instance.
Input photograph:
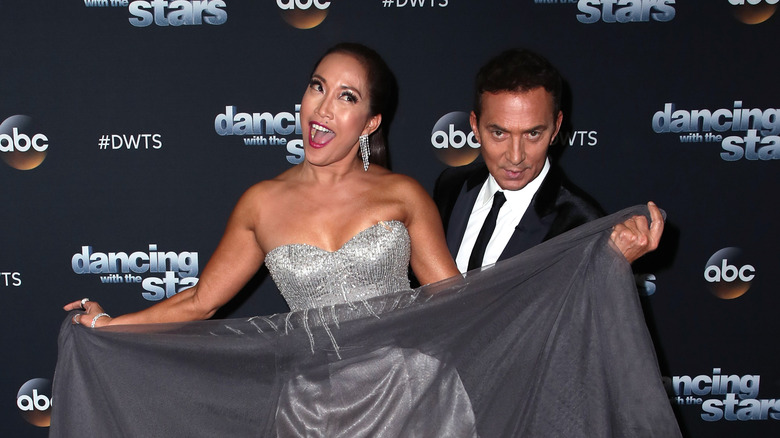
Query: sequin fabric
(374, 262)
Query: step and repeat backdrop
(129, 128)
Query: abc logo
(453, 139)
(19, 148)
(645, 285)
(753, 11)
(303, 14)
(34, 402)
(728, 274)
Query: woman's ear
(373, 124)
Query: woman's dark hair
(382, 93)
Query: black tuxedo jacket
(558, 206)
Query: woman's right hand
(90, 316)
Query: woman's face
(335, 110)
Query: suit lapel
(528, 233)
(461, 211)
(536, 221)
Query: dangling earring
(364, 151)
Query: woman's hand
(93, 315)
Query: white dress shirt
(517, 202)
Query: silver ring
(75, 319)
(83, 302)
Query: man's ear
(474, 126)
(558, 121)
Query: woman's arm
(236, 259)
(431, 260)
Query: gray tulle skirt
(551, 343)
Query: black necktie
(478, 253)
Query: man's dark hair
(517, 70)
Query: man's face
(514, 131)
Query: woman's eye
(349, 97)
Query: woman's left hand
(94, 316)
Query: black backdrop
(128, 101)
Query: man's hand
(635, 238)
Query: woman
(508, 351)
(331, 198)
(357, 228)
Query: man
(517, 198)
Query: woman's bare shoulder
(264, 192)
(402, 185)
(268, 187)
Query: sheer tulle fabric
(550, 343)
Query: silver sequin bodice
(374, 262)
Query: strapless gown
(382, 392)
(551, 343)
(372, 263)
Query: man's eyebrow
(496, 127)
